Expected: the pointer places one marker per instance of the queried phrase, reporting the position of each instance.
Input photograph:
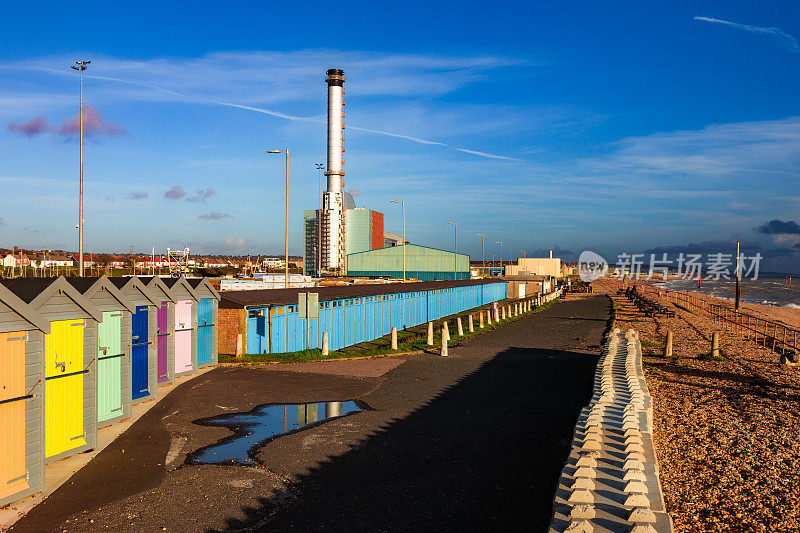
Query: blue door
(139, 356)
(205, 327)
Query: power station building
(342, 239)
(421, 262)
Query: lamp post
(403, 206)
(80, 66)
(483, 253)
(320, 167)
(455, 250)
(286, 233)
(501, 255)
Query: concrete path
(473, 441)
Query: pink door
(183, 336)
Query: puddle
(256, 428)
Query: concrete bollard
(496, 314)
(489, 316)
(503, 314)
(325, 350)
(394, 337)
(715, 344)
(239, 348)
(668, 345)
(459, 327)
(480, 319)
(471, 328)
(446, 328)
(430, 333)
(445, 338)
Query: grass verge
(411, 340)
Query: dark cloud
(94, 125)
(213, 215)
(34, 126)
(779, 227)
(136, 195)
(201, 195)
(175, 193)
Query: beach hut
(165, 325)
(70, 350)
(144, 357)
(22, 332)
(207, 320)
(185, 320)
(113, 347)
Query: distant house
(14, 261)
(273, 262)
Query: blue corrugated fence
(350, 321)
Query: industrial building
(421, 262)
(535, 266)
(342, 239)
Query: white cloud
(782, 38)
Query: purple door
(163, 333)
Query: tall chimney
(334, 253)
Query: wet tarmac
(255, 428)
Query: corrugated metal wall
(353, 320)
(422, 263)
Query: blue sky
(612, 127)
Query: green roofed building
(422, 263)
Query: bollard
(459, 327)
(471, 329)
(715, 344)
(325, 350)
(668, 345)
(503, 315)
(239, 350)
(394, 337)
(430, 333)
(446, 328)
(496, 314)
(445, 338)
(489, 316)
(480, 319)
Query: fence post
(325, 350)
(668, 345)
(430, 333)
(715, 344)
(394, 337)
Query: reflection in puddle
(261, 425)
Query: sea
(768, 289)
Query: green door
(109, 367)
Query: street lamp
(483, 253)
(286, 233)
(455, 250)
(403, 205)
(501, 255)
(80, 66)
(320, 167)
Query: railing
(768, 333)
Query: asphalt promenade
(473, 441)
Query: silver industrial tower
(332, 223)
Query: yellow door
(13, 475)
(63, 411)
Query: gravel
(725, 431)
